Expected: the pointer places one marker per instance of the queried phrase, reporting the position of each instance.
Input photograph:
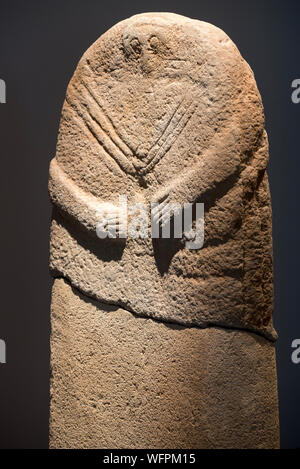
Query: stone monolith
(154, 343)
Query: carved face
(147, 45)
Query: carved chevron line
(107, 145)
(172, 135)
(172, 130)
(107, 124)
(166, 127)
(126, 146)
(119, 149)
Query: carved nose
(136, 46)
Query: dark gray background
(40, 45)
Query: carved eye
(136, 46)
(154, 42)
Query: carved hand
(112, 221)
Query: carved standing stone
(154, 344)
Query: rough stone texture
(122, 381)
(161, 109)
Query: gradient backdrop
(40, 45)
